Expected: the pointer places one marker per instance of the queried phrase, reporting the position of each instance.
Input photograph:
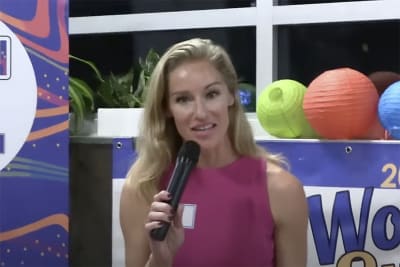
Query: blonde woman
(245, 209)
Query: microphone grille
(190, 150)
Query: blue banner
(353, 196)
(342, 164)
(352, 190)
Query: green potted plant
(117, 97)
(121, 98)
(81, 101)
(127, 90)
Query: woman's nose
(200, 109)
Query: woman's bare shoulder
(131, 193)
(286, 192)
(133, 215)
(280, 178)
(290, 214)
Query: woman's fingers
(152, 225)
(159, 216)
(159, 209)
(161, 206)
(162, 196)
(178, 218)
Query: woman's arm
(138, 218)
(133, 215)
(290, 212)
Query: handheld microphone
(186, 160)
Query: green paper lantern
(280, 110)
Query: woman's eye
(182, 99)
(212, 94)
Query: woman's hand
(163, 252)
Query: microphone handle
(159, 234)
(175, 189)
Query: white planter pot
(118, 122)
(88, 127)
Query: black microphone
(186, 160)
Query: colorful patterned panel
(34, 184)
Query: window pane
(305, 51)
(114, 7)
(117, 52)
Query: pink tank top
(231, 221)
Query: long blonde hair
(159, 141)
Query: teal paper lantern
(389, 110)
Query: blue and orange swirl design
(34, 187)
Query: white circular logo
(18, 95)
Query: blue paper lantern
(247, 95)
(389, 110)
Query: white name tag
(189, 215)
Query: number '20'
(391, 181)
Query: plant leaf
(84, 91)
(91, 65)
(77, 105)
(106, 95)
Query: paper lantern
(376, 130)
(389, 110)
(247, 95)
(341, 104)
(382, 79)
(280, 110)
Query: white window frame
(264, 16)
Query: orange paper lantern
(376, 130)
(341, 104)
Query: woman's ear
(231, 100)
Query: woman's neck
(218, 157)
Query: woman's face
(198, 101)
